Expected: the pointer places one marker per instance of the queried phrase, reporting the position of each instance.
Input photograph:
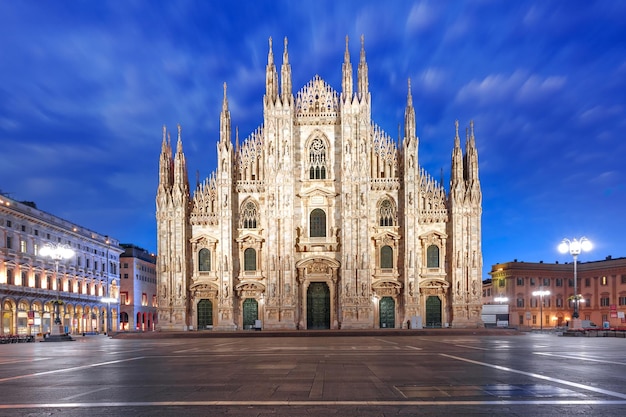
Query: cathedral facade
(318, 220)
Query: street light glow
(57, 252)
(574, 247)
(541, 293)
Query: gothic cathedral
(318, 220)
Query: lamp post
(540, 293)
(574, 247)
(57, 252)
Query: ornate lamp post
(540, 293)
(574, 247)
(57, 252)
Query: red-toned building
(138, 300)
(602, 285)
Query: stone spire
(346, 71)
(362, 73)
(285, 78)
(225, 124)
(271, 77)
(180, 166)
(457, 160)
(409, 117)
(166, 175)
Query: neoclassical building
(31, 283)
(318, 220)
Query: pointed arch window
(318, 160)
(249, 260)
(249, 216)
(317, 223)
(386, 213)
(432, 256)
(386, 257)
(204, 260)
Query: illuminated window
(22, 246)
(603, 281)
(144, 299)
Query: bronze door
(387, 313)
(433, 311)
(318, 306)
(250, 312)
(205, 314)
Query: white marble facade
(318, 219)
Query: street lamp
(574, 247)
(57, 252)
(541, 293)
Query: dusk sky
(86, 86)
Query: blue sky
(87, 86)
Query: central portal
(318, 306)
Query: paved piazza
(374, 375)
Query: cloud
(519, 86)
(421, 17)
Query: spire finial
(409, 98)
(179, 143)
(471, 128)
(346, 54)
(225, 100)
(362, 48)
(270, 54)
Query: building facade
(318, 220)
(138, 299)
(31, 284)
(602, 285)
